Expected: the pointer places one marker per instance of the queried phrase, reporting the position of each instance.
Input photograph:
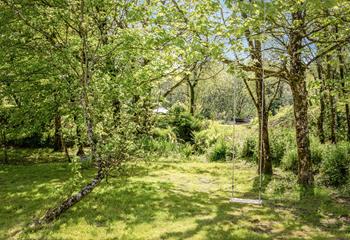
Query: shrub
(280, 141)
(335, 167)
(205, 139)
(317, 153)
(183, 124)
(219, 151)
(166, 134)
(161, 146)
(249, 148)
(290, 160)
(186, 150)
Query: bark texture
(300, 96)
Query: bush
(185, 125)
(186, 150)
(290, 161)
(280, 142)
(166, 134)
(160, 146)
(335, 167)
(203, 140)
(249, 148)
(182, 123)
(219, 151)
(317, 153)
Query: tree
(296, 28)
(99, 48)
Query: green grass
(164, 199)
(32, 156)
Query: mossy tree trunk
(300, 96)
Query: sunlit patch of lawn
(166, 200)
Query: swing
(233, 199)
(245, 200)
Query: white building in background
(161, 110)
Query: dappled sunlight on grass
(187, 200)
(34, 155)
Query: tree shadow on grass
(141, 202)
(26, 190)
(137, 202)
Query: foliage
(206, 138)
(290, 160)
(166, 134)
(184, 124)
(335, 166)
(281, 140)
(186, 150)
(219, 151)
(249, 148)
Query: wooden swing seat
(248, 201)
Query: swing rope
(261, 145)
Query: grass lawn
(165, 199)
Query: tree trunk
(320, 121)
(347, 110)
(332, 104)
(305, 176)
(300, 97)
(80, 151)
(255, 49)
(58, 143)
(66, 152)
(262, 109)
(264, 145)
(192, 98)
(333, 108)
(69, 202)
(86, 107)
(342, 78)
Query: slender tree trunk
(332, 103)
(342, 78)
(80, 151)
(255, 49)
(192, 97)
(300, 97)
(69, 202)
(66, 151)
(264, 145)
(333, 108)
(347, 110)
(58, 143)
(320, 121)
(86, 107)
